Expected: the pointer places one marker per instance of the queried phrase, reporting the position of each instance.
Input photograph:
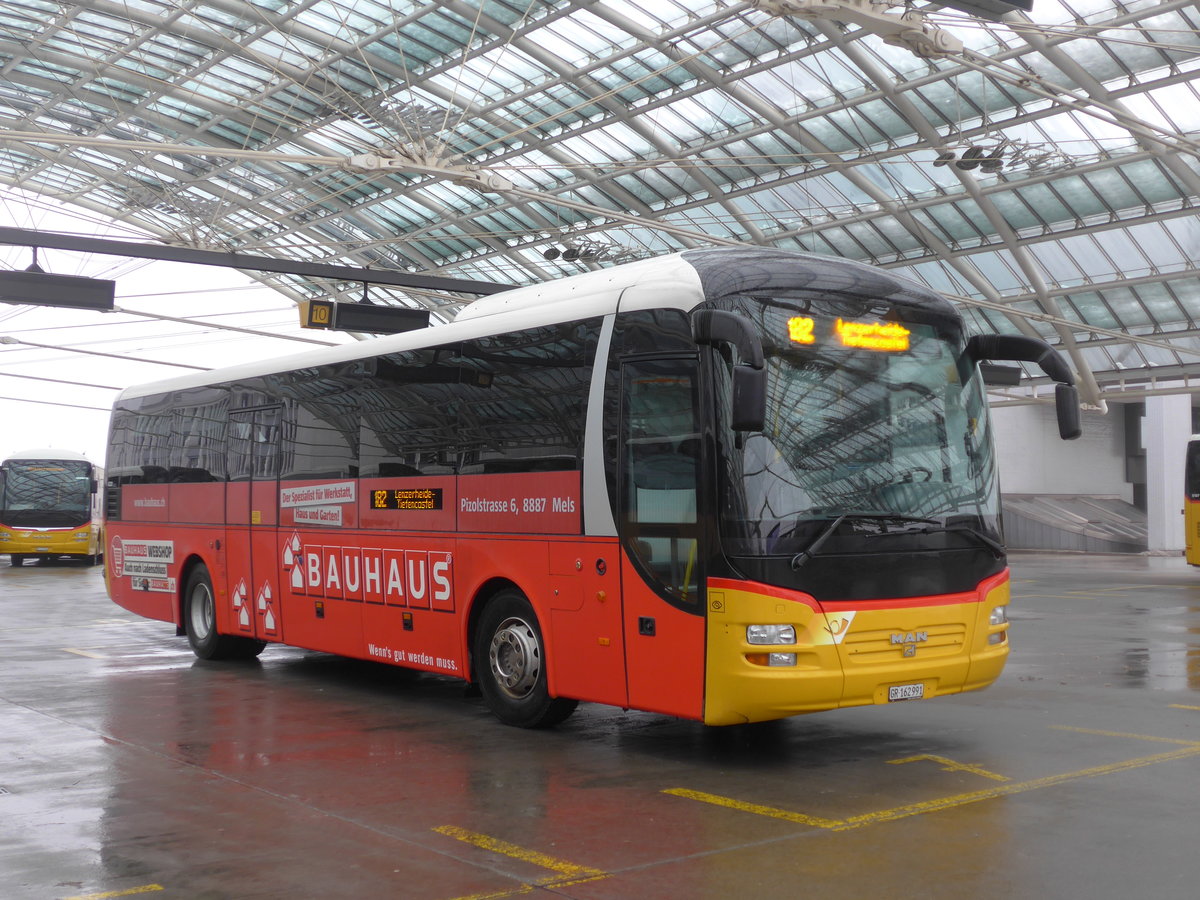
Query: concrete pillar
(1165, 432)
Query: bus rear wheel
(16, 559)
(200, 623)
(510, 663)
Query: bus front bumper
(827, 656)
(47, 541)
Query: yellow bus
(50, 507)
(1191, 501)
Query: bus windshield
(874, 419)
(1191, 471)
(46, 493)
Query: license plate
(906, 692)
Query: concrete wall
(1165, 431)
(1034, 460)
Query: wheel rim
(200, 611)
(515, 658)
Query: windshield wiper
(932, 526)
(823, 535)
(991, 543)
(815, 544)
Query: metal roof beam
(21, 237)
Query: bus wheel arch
(198, 618)
(185, 574)
(508, 659)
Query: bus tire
(510, 665)
(16, 559)
(200, 623)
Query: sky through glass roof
(1044, 175)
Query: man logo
(909, 640)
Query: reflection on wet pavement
(127, 767)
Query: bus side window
(661, 463)
(253, 445)
(407, 414)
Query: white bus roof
(662, 282)
(48, 453)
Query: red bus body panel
(328, 566)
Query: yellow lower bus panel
(33, 543)
(1191, 512)
(846, 654)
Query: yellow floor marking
(1181, 706)
(917, 809)
(568, 873)
(88, 653)
(144, 889)
(949, 765)
(1122, 734)
(757, 809)
(500, 895)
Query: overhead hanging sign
(44, 289)
(367, 317)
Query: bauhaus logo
(419, 579)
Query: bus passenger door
(661, 535)
(252, 517)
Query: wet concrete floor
(129, 768)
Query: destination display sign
(887, 337)
(407, 498)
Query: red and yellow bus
(1191, 501)
(50, 507)
(724, 485)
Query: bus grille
(112, 502)
(876, 646)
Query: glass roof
(1045, 175)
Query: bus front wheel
(510, 663)
(200, 623)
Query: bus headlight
(998, 619)
(771, 634)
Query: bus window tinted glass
(253, 445)
(46, 493)
(140, 444)
(522, 398)
(197, 443)
(407, 403)
(321, 422)
(1192, 471)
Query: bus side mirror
(1019, 348)
(95, 486)
(749, 400)
(1066, 404)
